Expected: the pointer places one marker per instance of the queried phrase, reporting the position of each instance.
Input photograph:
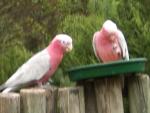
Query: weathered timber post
(33, 100)
(103, 95)
(51, 99)
(138, 92)
(70, 100)
(109, 95)
(89, 95)
(10, 103)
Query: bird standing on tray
(109, 43)
(39, 68)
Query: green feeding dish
(108, 69)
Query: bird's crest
(63, 37)
(110, 26)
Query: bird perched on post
(39, 68)
(109, 43)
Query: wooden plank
(138, 92)
(90, 99)
(51, 99)
(33, 100)
(70, 100)
(10, 103)
(81, 99)
(109, 95)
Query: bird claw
(40, 85)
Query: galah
(39, 68)
(109, 43)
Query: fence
(102, 95)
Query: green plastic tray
(107, 69)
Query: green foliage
(68, 7)
(104, 8)
(11, 58)
(60, 80)
(28, 26)
(136, 29)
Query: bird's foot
(40, 85)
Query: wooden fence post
(70, 100)
(109, 95)
(33, 100)
(51, 99)
(10, 103)
(138, 92)
(89, 95)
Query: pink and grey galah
(109, 43)
(39, 68)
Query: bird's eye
(63, 42)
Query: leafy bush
(28, 26)
(12, 58)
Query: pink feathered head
(65, 41)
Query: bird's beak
(69, 48)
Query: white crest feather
(110, 26)
(64, 37)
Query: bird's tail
(2, 87)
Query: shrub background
(27, 26)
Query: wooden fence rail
(98, 96)
(48, 100)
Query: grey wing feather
(123, 45)
(33, 69)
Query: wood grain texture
(51, 99)
(70, 100)
(90, 97)
(10, 103)
(33, 100)
(109, 95)
(138, 92)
